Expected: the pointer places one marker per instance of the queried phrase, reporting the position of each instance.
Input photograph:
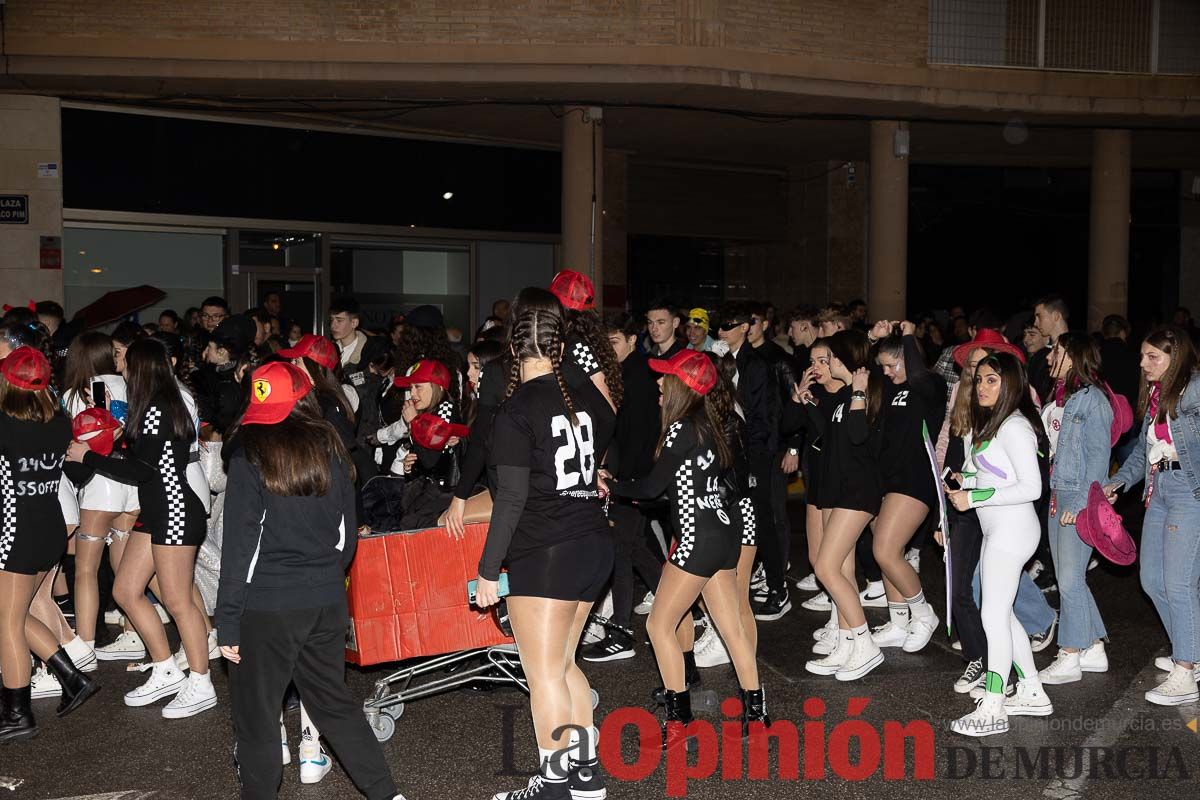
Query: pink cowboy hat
(1100, 526)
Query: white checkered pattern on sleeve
(445, 409)
(8, 531)
(749, 530)
(672, 433)
(151, 421)
(585, 358)
(686, 502)
(176, 510)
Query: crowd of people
(226, 461)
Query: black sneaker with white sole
(1040, 641)
(586, 781)
(775, 606)
(617, 645)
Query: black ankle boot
(754, 709)
(76, 687)
(16, 718)
(679, 709)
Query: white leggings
(1001, 560)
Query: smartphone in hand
(99, 395)
(472, 585)
(949, 480)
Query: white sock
(584, 748)
(91, 643)
(308, 731)
(554, 764)
(167, 664)
(200, 678)
(918, 606)
(898, 614)
(861, 630)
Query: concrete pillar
(1189, 241)
(615, 218)
(30, 168)
(887, 237)
(1108, 227)
(583, 194)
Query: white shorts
(199, 484)
(69, 500)
(105, 494)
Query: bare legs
(841, 530)
(899, 517)
(89, 549)
(20, 633)
(173, 565)
(745, 570)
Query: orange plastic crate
(407, 594)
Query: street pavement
(1103, 741)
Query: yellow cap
(698, 316)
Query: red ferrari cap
(424, 371)
(692, 367)
(26, 368)
(96, 428)
(574, 290)
(274, 390)
(432, 432)
(318, 348)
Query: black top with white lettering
(544, 469)
(848, 462)
(903, 463)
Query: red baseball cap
(987, 339)
(274, 390)
(424, 371)
(318, 348)
(26, 368)
(97, 428)
(432, 432)
(694, 368)
(574, 290)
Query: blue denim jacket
(1185, 433)
(1082, 454)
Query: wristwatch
(793, 451)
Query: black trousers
(966, 541)
(779, 500)
(633, 554)
(767, 533)
(306, 646)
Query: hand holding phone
(501, 591)
(99, 394)
(949, 479)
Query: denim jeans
(1079, 622)
(1171, 561)
(1031, 608)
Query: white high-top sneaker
(709, 649)
(864, 657)
(1094, 658)
(1166, 664)
(1179, 688)
(196, 695)
(1029, 700)
(988, 718)
(1064, 669)
(889, 634)
(920, 630)
(808, 583)
(127, 646)
(826, 639)
(831, 663)
(165, 680)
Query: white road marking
(10, 783)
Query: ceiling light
(97, 270)
(274, 245)
(447, 195)
(83, 252)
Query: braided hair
(539, 331)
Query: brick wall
(877, 31)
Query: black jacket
(282, 553)
(759, 398)
(639, 425)
(786, 374)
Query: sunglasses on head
(728, 326)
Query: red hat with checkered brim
(274, 390)
(318, 348)
(574, 290)
(694, 368)
(96, 428)
(26, 368)
(432, 432)
(424, 371)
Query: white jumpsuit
(1004, 482)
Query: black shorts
(707, 552)
(32, 552)
(917, 487)
(577, 569)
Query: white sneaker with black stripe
(873, 596)
(165, 680)
(43, 684)
(127, 646)
(196, 695)
(818, 602)
(82, 656)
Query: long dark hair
(539, 331)
(1176, 343)
(90, 355)
(589, 328)
(1014, 398)
(326, 383)
(707, 412)
(295, 455)
(1085, 362)
(851, 347)
(428, 343)
(152, 383)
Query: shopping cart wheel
(595, 698)
(384, 727)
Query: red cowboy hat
(988, 339)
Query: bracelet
(858, 395)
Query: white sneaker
(710, 650)
(920, 631)
(758, 579)
(644, 607)
(1029, 700)
(1166, 664)
(595, 631)
(164, 681)
(1179, 688)
(873, 596)
(126, 647)
(808, 583)
(972, 677)
(287, 754)
(43, 684)
(197, 695)
(163, 616)
(1064, 669)
(826, 630)
(830, 664)
(314, 763)
(826, 639)
(818, 602)
(889, 634)
(988, 718)
(1093, 659)
(1040, 641)
(913, 556)
(864, 657)
(82, 656)
(113, 617)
